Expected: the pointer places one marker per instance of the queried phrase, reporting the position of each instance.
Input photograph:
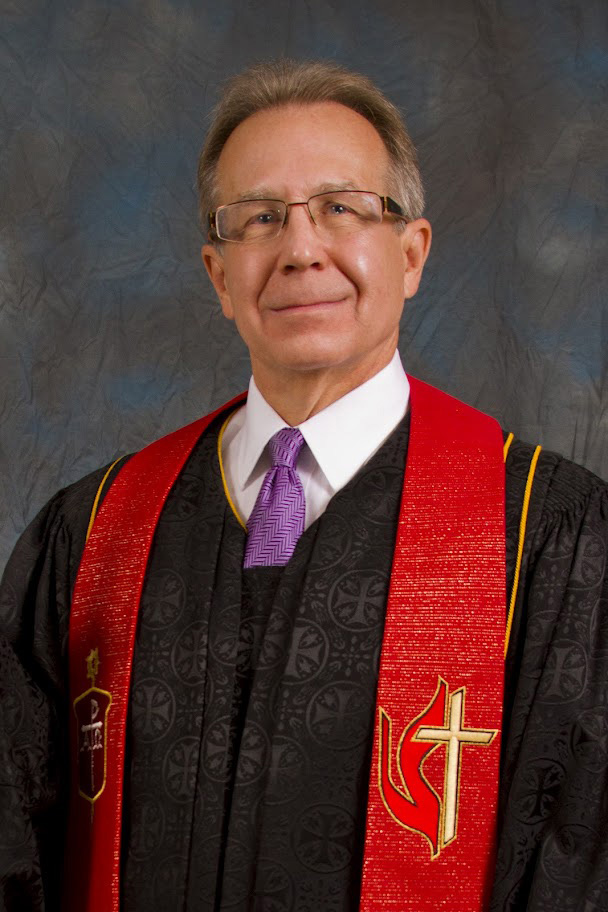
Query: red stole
(431, 817)
(434, 779)
(101, 639)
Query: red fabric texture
(442, 651)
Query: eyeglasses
(334, 212)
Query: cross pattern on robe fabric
(277, 519)
(454, 735)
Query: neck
(297, 395)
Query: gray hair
(284, 82)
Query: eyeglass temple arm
(389, 205)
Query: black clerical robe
(252, 699)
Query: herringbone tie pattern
(277, 519)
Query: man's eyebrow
(336, 185)
(255, 193)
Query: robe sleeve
(553, 842)
(34, 613)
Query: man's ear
(416, 244)
(214, 264)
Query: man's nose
(302, 244)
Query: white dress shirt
(339, 440)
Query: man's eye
(338, 209)
(264, 218)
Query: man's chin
(302, 361)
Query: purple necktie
(277, 519)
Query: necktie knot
(284, 447)
(277, 519)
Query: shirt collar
(261, 423)
(343, 436)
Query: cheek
(245, 278)
(376, 270)
(392, 265)
(358, 261)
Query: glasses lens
(251, 220)
(345, 210)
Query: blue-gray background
(109, 331)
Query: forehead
(301, 149)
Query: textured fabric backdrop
(109, 331)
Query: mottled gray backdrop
(109, 331)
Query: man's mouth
(306, 304)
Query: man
(252, 694)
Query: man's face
(305, 300)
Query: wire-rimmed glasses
(334, 212)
